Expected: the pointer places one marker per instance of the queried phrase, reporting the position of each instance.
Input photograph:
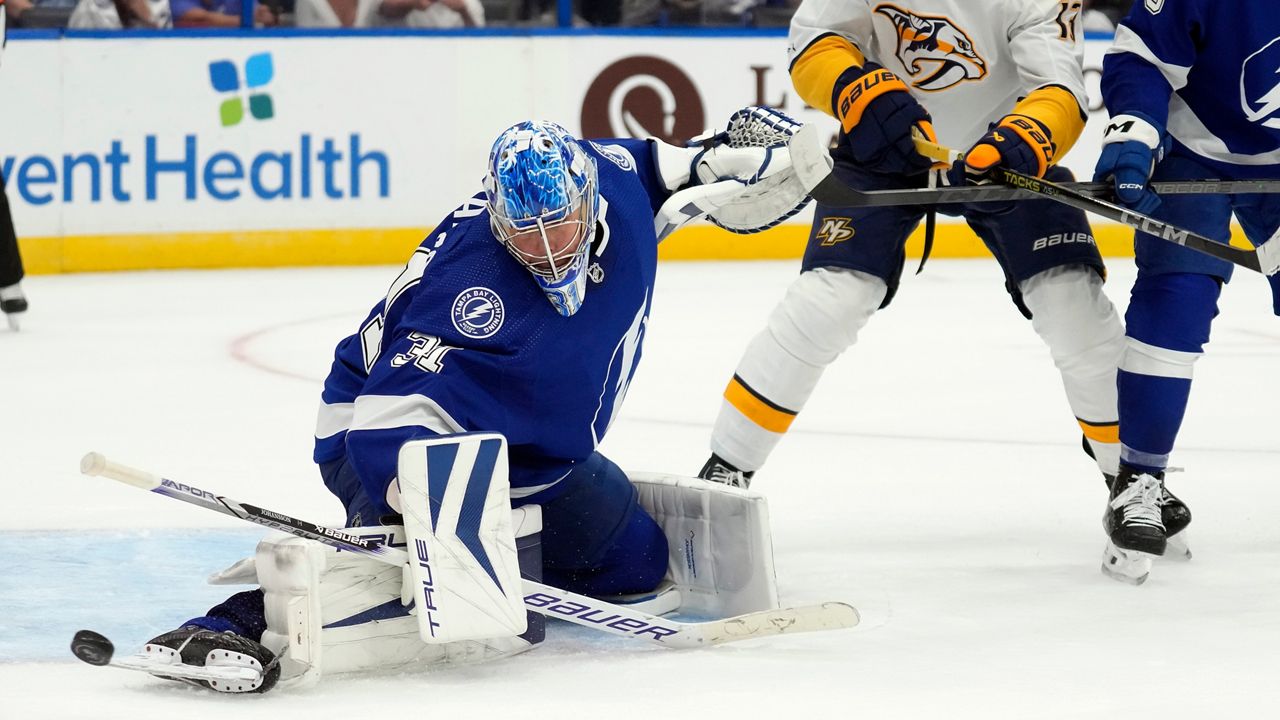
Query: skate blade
(1127, 566)
(1177, 548)
(14, 324)
(223, 671)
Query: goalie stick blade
(789, 621)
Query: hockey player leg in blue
(1168, 325)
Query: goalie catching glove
(740, 178)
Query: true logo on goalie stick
(478, 312)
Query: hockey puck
(92, 647)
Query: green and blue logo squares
(225, 78)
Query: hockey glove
(877, 114)
(1131, 147)
(1017, 142)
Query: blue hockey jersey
(1206, 70)
(466, 341)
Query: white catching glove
(743, 180)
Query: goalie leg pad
(721, 551)
(456, 500)
(330, 611)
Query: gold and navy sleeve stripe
(758, 408)
(1057, 109)
(816, 69)
(1105, 432)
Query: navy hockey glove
(1017, 142)
(1131, 146)
(877, 114)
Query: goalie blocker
(329, 611)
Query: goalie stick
(813, 165)
(544, 599)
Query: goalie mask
(543, 197)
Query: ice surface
(934, 481)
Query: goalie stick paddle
(544, 599)
(813, 165)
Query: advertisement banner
(295, 150)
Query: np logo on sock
(224, 75)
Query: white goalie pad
(456, 500)
(330, 611)
(721, 551)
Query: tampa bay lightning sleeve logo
(478, 312)
(1260, 86)
(616, 154)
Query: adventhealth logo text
(171, 166)
(168, 169)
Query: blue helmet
(542, 196)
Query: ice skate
(1176, 516)
(249, 666)
(1134, 525)
(717, 470)
(13, 303)
(1133, 519)
(1127, 566)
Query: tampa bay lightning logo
(478, 312)
(1260, 86)
(616, 154)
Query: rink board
(253, 151)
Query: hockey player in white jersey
(1003, 79)
(1193, 93)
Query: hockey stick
(1264, 259)
(813, 165)
(544, 599)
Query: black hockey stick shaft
(836, 194)
(1157, 228)
(813, 166)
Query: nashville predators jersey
(969, 62)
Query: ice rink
(935, 482)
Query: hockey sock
(242, 614)
(1167, 326)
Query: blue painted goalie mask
(542, 196)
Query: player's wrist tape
(855, 96)
(1035, 135)
(1131, 128)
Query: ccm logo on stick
(559, 606)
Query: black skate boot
(717, 470)
(202, 648)
(1133, 519)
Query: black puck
(92, 647)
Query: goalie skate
(220, 661)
